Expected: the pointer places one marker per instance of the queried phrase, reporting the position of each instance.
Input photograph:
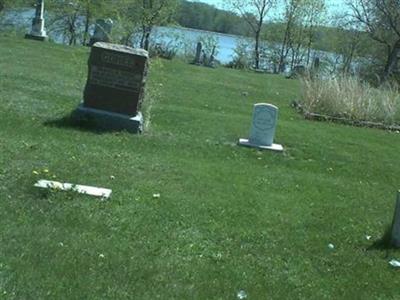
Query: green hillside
(228, 218)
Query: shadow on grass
(384, 243)
(83, 124)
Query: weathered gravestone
(395, 234)
(38, 31)
(115, 86)
(297, 71)
(316, 63)
(102, 31)
(265, 118)
(197, 58)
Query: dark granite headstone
(116, 78)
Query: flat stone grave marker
(115, 87)
(263, 127)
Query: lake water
(184, 40)
(225, 43)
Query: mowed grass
(228, 218)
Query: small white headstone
(395, 236)
(262, 133)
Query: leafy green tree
(381, 19)
(72, 18)
(301, 22)
(152, 13)
(254, 12)
(290, 18)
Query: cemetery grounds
(227, 219)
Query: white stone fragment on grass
(82, 189)
(331, 246)
(156, 195)
(395, 263)
(273, 147)
(242, 295)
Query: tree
(314, 15)
(381, 20)
(152, 13)
(291, 12)
(301, 19)
(254, 12)
(73, 18)
(348, 42)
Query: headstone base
(41, 38)
(273, 147)
(395, 234)
(109, 120)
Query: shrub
(350, 98)
(241, 58)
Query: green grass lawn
(228, 219)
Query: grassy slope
(228, 218)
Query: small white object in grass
(331, 246)
(112, 177)
(82, 189)
(242, 294)
(101, 255)
(368, 237)
(156, 195)
(395, 263)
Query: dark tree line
(202, 16)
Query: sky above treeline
(333, 6)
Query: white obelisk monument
(38, 31)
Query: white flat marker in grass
(395, 263)
(82, 189)
(395, 235)
(265, 117)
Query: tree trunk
(143, 37)
(283, 55)
(309, 44)
(257, 50)
(391, 63)
(147, 41)
(348, 60)
(87, 24)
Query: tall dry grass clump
(348, 97)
